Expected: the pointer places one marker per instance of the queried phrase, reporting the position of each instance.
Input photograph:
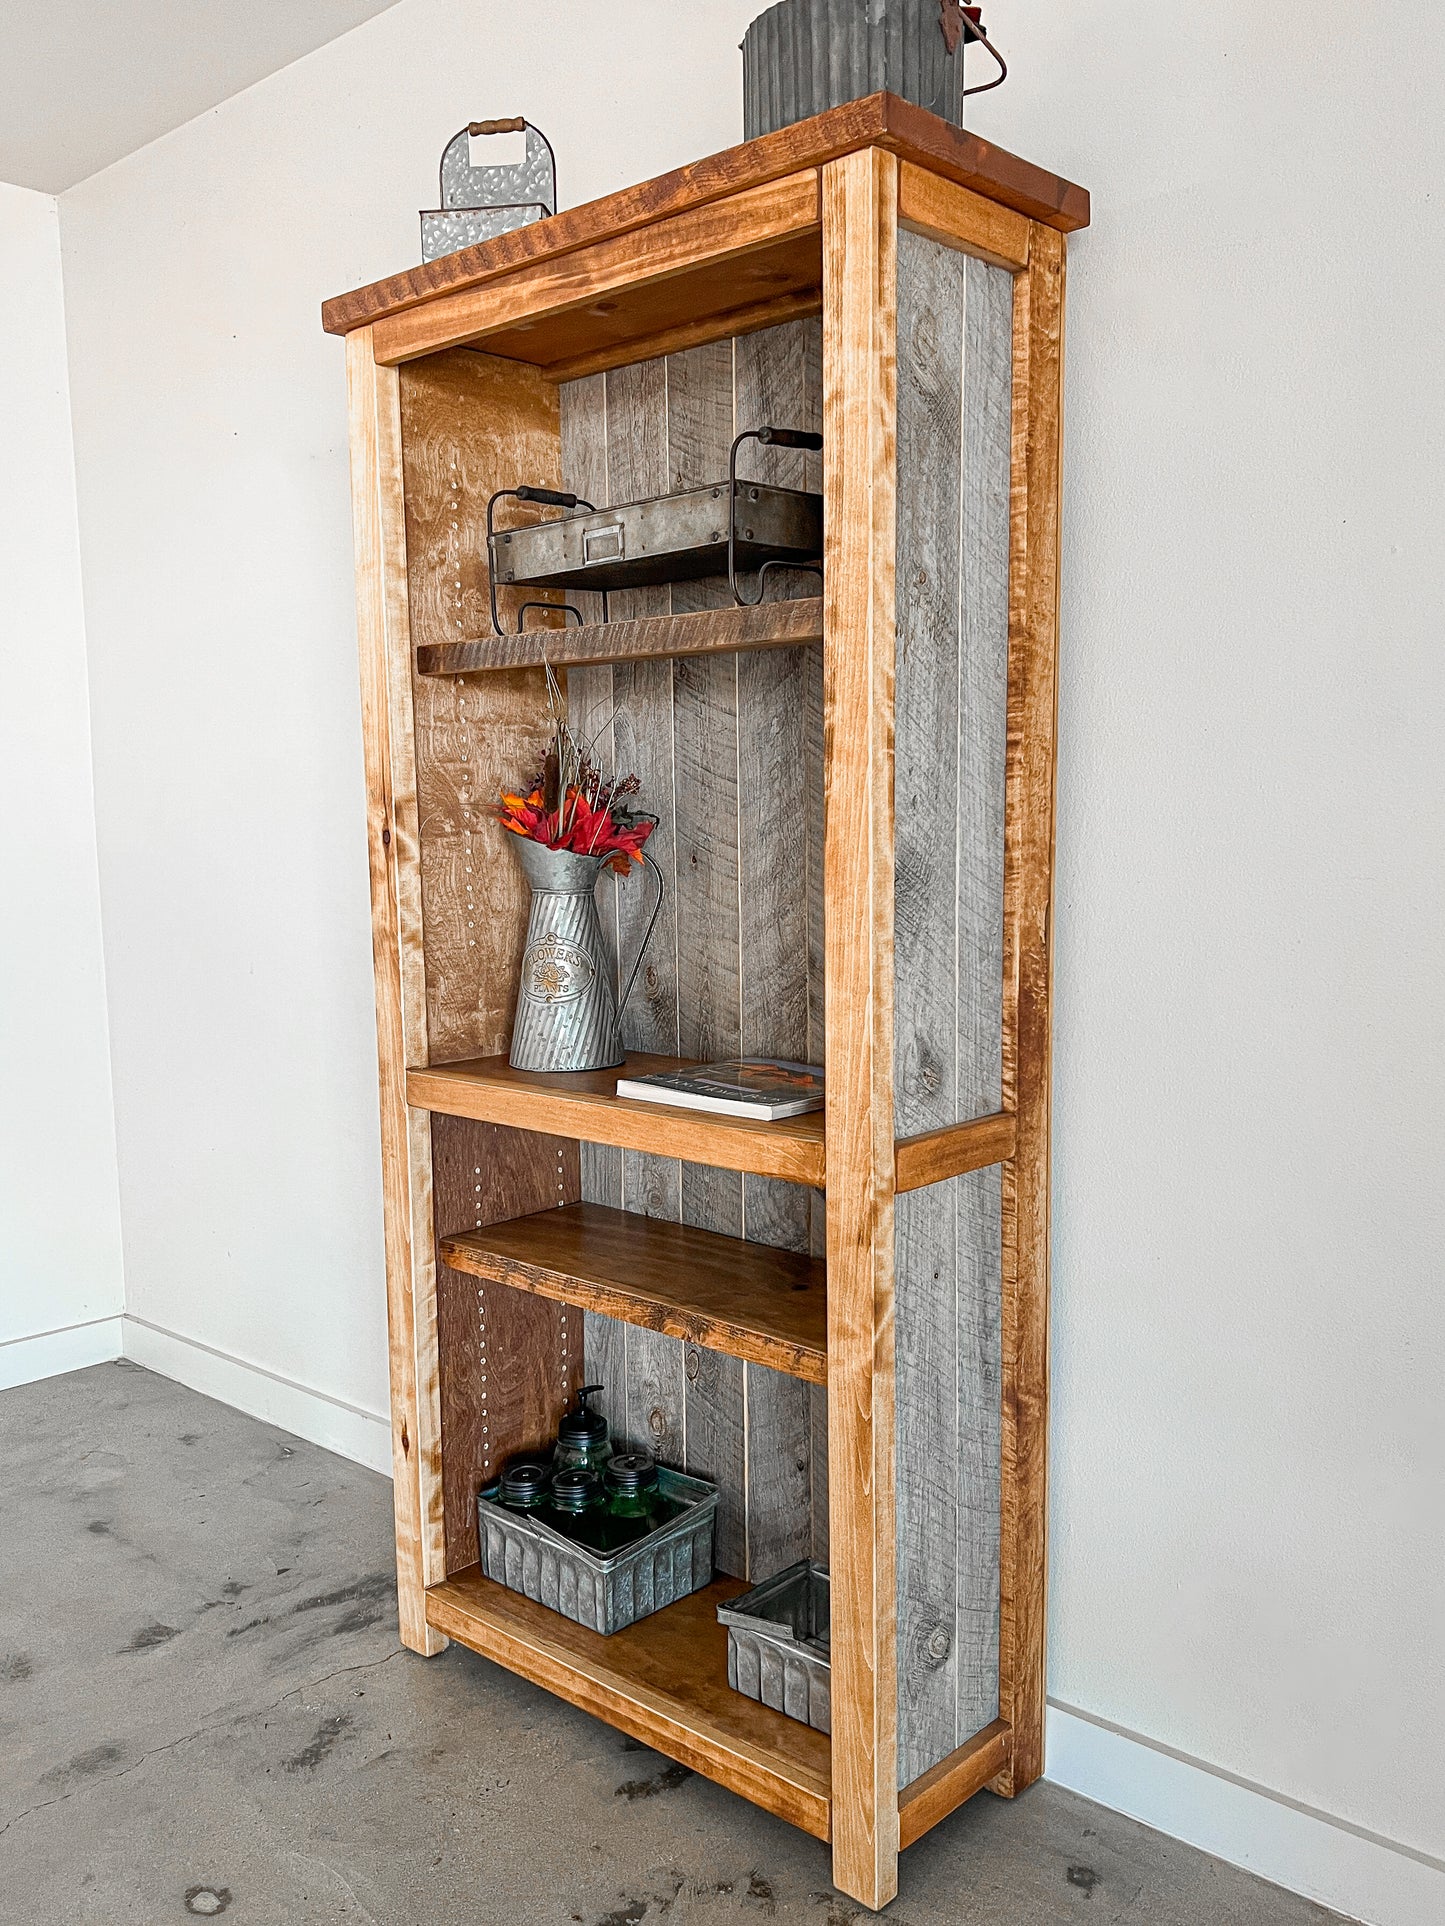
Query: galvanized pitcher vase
(567, 1016)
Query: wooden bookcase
(857, 796)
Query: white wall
(1247, 1543)
(60, 1263)
(211, 447)
(1248, 1458)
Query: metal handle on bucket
(652, 925)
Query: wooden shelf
(586, 1105)
(751, 1300)
(663, 1680)
(771, 625)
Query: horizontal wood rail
(750, 1300)
(772, 313)
(934, 1155)
(953, 1781)
(663, 1680)
(585, 1105)
(946, 212)
(771, 625)
(620, 281)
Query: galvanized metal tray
(609, 1592)
(778, 1644)
(671, 538)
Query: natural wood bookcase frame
(803, 222)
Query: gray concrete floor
(204, 1710)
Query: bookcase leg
(378, 520)
(1028, 891)
(860, 199)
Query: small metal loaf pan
(778, 1644)
(603, 1593)
(672, 538)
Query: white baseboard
(25, 1360)
(1329, 1860)
(347, 1429)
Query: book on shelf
(762, 1088)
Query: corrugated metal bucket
(803, 56)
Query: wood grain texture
(384, 644)
(1028, 898)
(716, 1420)
(735, 322)
(877, 120)
(584, 1104)
(470, 424)
(950, 740)
(775, 625)
(724, 255)
(860, 321)
(946, 1786)
(747, 1299)
(637, 466)
(510, 1363)
(779, 381)
(669, 425)
(663, 1680)
(930, 1156)
(938, 208)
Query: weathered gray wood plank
(589, 703)
(637, 465)
(983, 685)
(978, 1199)
(716, 1447)
(779, 1427)
(931, 292)
(983, 692)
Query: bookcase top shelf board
(779, 270)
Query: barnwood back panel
(729, 749)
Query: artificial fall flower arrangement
(571, 804)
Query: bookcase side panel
(955, 336)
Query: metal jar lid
(632, 1471)
(576, 1489)
(524, 1482)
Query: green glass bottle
(579, 1509)
(635, 1504)
(582, 1440)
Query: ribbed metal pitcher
(567, 1016)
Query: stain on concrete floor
(204, 1711)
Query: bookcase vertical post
(1028, 953)
(394, 846)
(860, 315)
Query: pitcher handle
(652, 925)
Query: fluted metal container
(803, 56)
(566, 1009)
(778, 1644)
(603, 1592)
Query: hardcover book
(763, 1088)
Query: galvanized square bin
(778, 1644)
(608, 1592)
